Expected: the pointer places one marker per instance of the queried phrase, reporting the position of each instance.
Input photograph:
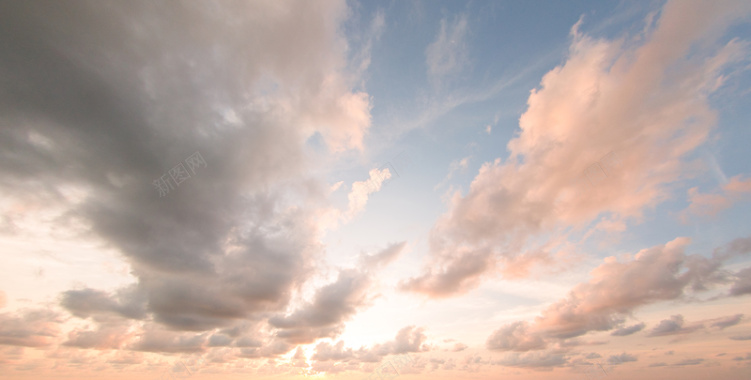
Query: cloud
(622, 358)
(741, 337)
(705, 204)
(725, 322)
(616, 289)
(324, 317)
(409, 339)
(3, 299)
(448, 53)
(106, 98)
(154, 339)
(358, 197)
(624, 331)
(713, 203)
(108, 335)
(335, 303)
(83, 303)
(532, 360)
(592, 143)
(384, 257)
(737, 185)
(458, 347)
(689, 362)
(373, 34)
(326, 351)
(673, 326)
(516, 337)
(29, 328)
(742, 284)
(454, 167)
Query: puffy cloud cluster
(324, 317)
(742, 284)
(711, 204)
(30, 328)
(106, 98)
(628, 330)
(674, 326)
(541, 359)
(616, 289)
(409, 339)
(84, 303)
(603, 136)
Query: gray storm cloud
(107, 97)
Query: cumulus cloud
(742, 284)
(109, 98)
(540, 359)
(616, 289)
(29, 328)
(702, 204)
(409, 339)
(592, 143)
(459, 347)
(108, 335)
(84, 303)
(674, 326)
(335, 303)
(725, 322)
(622, 358)
(326, 351)
(515, 336)
(324, 317)
(155, 339)
(624, 331)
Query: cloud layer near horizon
(616, 289)
(252, 262)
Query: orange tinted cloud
(713, 203)
(616, 289)
(605, 134)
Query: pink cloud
(614, 111)
(29, 328)
(616, 289)
(713, 203)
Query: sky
(375, 190)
